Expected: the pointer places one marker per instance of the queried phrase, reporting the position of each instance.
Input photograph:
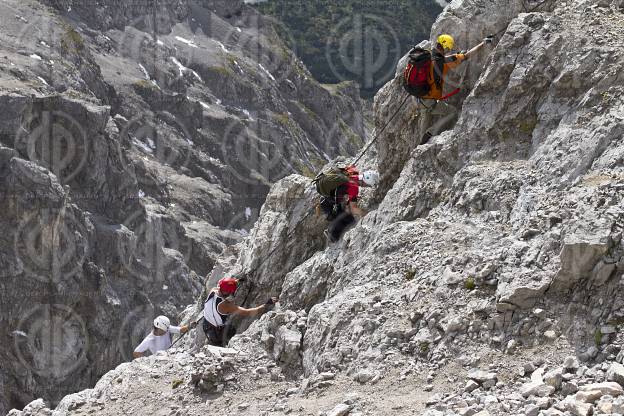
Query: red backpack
(416, 75)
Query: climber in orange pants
(424, 78)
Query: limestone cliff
(138, 140)
(486, 278)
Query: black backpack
(327, 182)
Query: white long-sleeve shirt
(155, 343)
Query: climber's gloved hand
(488, 40)
(192, 325)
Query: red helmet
(228, 285)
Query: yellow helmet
(446, 41)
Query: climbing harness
(450, 94)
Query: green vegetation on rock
(282, 118)
(352, 40)
(353, 138)
(409, 274)
(469, 283)
(72, 41)
(222, 70)
(598, 337)
(305, 170)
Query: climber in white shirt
(159, 338)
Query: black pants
(214, 334)
(339, 219)
(218, 336)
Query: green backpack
(327, 182)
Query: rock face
(518, 207)
(495, 246)
(138, 141)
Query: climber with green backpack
(424, 78)
(339, 189)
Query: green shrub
(282, 118)
(144, 86)
(221, 70)
(410, 274)
(71, 41)
(527, 126)
(353, 138)
(315, 30)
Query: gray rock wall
(501, 235)
(137, 141)
(519, 206)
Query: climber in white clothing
(159, 338)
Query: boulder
(554, 378)
(470, 386)
(577, 408)
(580, 254)
(588, 396)
(615, 373)
(570, 364)
(287, 347)
(536, 388)
(608, 387)
(340, 410)
(481, 376)
(618, 405)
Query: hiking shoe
(425, 138)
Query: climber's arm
(487, 41)
(474, 50)
(231, 308)
(142, 348)
(452, 61)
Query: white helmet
(162, 322)
(370, 177)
